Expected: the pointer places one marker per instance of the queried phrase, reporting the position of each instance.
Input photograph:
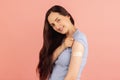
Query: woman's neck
(71, 31)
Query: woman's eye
(52, 25)
(58, 20)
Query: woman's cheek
(65, 23)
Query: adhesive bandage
(77, 54)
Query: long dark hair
(51, 40)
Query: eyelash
(58, 20)
(53, 25)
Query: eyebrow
(56, 18)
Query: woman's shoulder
(79, 34)
(80, 37)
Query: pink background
(21, 26)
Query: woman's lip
(61, 29)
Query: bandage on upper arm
(77, 54)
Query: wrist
(63, 46)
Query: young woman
(65, 49)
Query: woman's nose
(57, 26)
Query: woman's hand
(68, 42)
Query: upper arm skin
(75, 61)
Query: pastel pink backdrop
(21, 26)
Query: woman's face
(59, 22)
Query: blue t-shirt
(62, 63)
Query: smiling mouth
(61, 29)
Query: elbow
(71, 78)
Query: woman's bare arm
(57, 52)
(67, 43)
(75, 63)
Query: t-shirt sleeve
(82, 39)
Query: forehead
(53, 16)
